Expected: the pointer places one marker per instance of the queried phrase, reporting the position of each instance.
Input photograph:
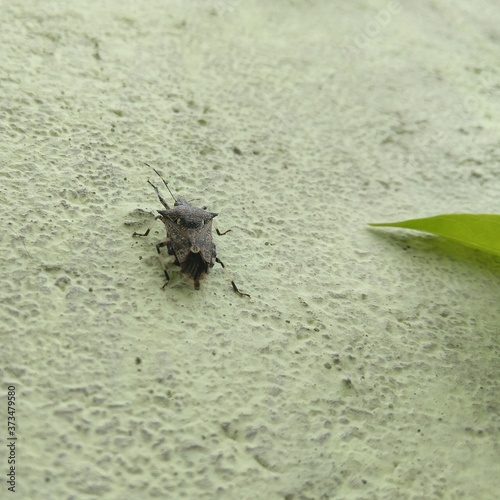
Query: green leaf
(481, 231)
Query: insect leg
(158, 246)
(149, 228)
(217, 229)
(235, 288)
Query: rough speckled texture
(366, 365)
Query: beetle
(189, 238)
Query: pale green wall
(366, 364)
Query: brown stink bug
(189, 238)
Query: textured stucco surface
(366, 364)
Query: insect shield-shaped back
(189, 239)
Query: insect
(189, 238)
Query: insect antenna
(164, 181)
